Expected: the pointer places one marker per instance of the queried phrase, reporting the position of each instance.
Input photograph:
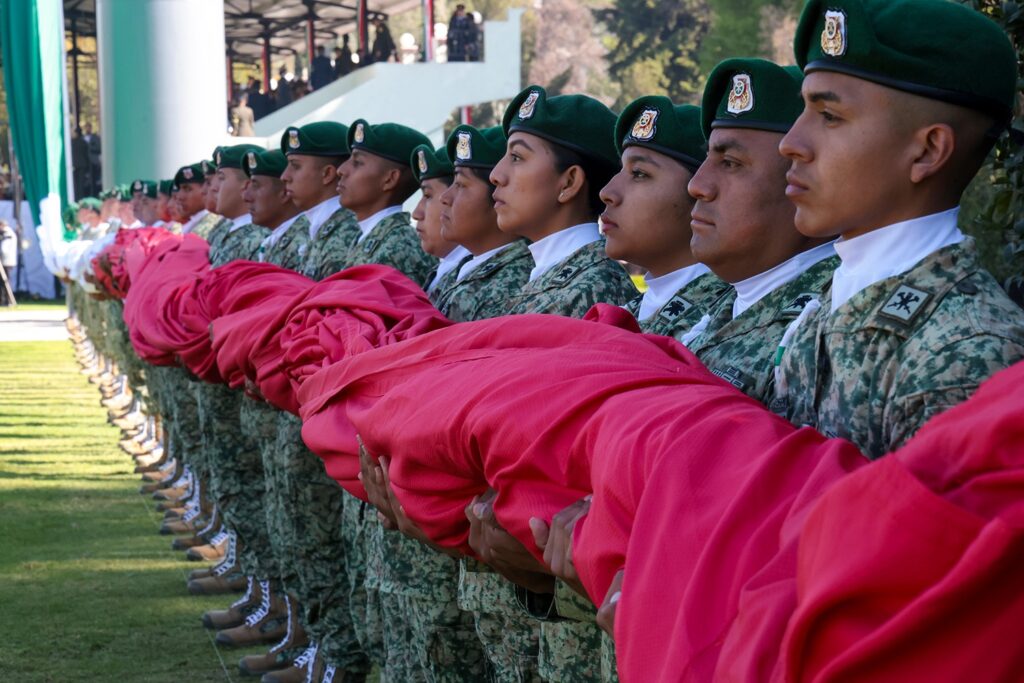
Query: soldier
(434, 172)
(305, 504)
(548, 186)
(501, 263)
(880, 157)
(743, 226)
(646, 220)
(314, 152)
(191, 199)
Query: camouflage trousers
(609, 665)
(305, 521)
(570, 650)
(181, 418)
(362, 564)
(236, 472)
(426, 636)
(510, 637)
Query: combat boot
(235, 614)
(267, 624)
(284, 652)
(298, 672)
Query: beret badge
(833, 36)
(421, 161)
(293, 139)
(529, 104)
(464, 149)
(645, 126)
(741, 96)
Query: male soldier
(743, 225)
(373, 183)
(904, 100)
(308, 503)
(646, 221)
(190, 196)
(314, 152)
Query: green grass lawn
(40, 305)
(88, 590)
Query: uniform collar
(275, 236)
(753, 289)
(477, 261)
(889, 251)
(240, 222)
(662, 288)
(448, 263)
(368, 224)
(553, 249)
(319, 214)
(194, 221)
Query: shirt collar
(275, 236)
(477, 261)
(662, 288)
(240, 222)
(368, 224)
(753, 289)
(319, 214)
(194, 221)
(553, 249)
(894, 249)
(447, 264)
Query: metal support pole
(266, 61)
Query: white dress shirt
(753, 289)
(368, 224)
(662, 288)
(447, 264)
(553, 249)
(319, 214)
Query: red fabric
(157, 277)
(910, 570)
(109, 267)
(348, 313)
(256, 307)
(517, 403)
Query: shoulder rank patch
(645, 126)
(904, 304)
(796, 305)
(528, 105)
(564, 275)
(741, 97)
(833, 35)
(370, 245)
(464, 146)
(676, 307)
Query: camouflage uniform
(483, 293)
(328, 253)
(206, 225)
(393, 242)
(742, 350)
(570, 288)
(236, 471)
(427, 637)
(931, 336)
(519, 647)
(446, 281)
(292, 246)
(684, 309)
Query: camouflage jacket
(900, 351)
(243, 243)
(684, 309)
(329, 251)
(485, 292)
(742, 350)
(290, 247)
(216, 234)
(206, 225)
(446, 281)
(393, 242)
(570, 288)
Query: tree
(655, 47)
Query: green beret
(234, 156)
(655, 123)
(269, 162)
(428, 163)
(577, 122)
(933, 48)
(125, 192)
(70, 215)
(164, 187)
(109, 193)
(189, 174)
(138, 186)
(90, 203)
(320, 139)
(392, 141)
(151, 188)
(208, 167)
(751, 93)
(476, 147)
